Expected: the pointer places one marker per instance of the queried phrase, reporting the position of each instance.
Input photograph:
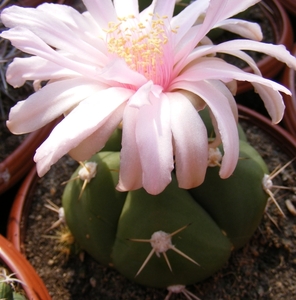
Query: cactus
(8, 287)
(178, 237)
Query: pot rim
(18, 264)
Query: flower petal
(79, 124)
(164, 8)
(130, 175)
(51, 30)
(215, 68)
(273, 102)
(217, 11)
(219, 106)
(187, 17)
(190, 142)
(97, 140)
(102, 12)
(220, 10)
(243, 28)
(49, 103)
(35, 68)
(230, 47)
(154, 140)
(118, 71)
(126, 8)
(28, 42)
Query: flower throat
(142, 45)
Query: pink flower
(150, 70)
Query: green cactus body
(19, 296)
(223, 214)
(93, 218)
(6, 291)
(237, 203)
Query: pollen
(140, 44)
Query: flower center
(141, 44)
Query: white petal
(102, 12)
(187, 17)
(215, 68)
(35, 68)
(51, 30)
(97, 140)
(28, 42)
(154, 140)
(164, 8)
(118, 71)
(50, 102)
(190, 142)
(219, 106)
(79, 124)
(126, 8)
(273, 102)
(130, 175)
(243, 28)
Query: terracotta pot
(289, 5)
(17, 263)
(282, 28)
(20, 161)
(21, 205)
(20, 208)
(289, 80)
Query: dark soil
(264, 269)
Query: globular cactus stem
(125, 229)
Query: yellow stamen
(141, 44)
